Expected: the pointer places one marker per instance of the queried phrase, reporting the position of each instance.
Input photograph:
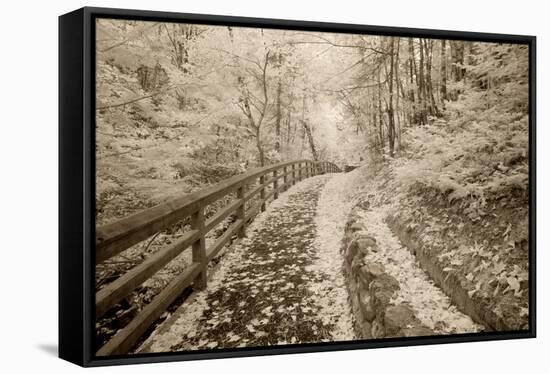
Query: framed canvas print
(233, 186)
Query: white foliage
(331, 293)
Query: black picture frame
(77, 189)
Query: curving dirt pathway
(270, 287)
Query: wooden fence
(113, 238)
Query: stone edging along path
(391, 296)
(371, 290)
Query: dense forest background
(180, 106)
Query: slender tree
(443, 72)
(391, 119)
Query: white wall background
(28, 184)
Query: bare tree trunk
(179, 38)
(457, 61)
(260, 148)
(374, 119)
(422, 87)
(309, 135)
(288, 130)
(391, 119)
(380, 114)
(256, 124)
(433, 110)
(278, 116)
(289, 119)
(397, 85)
(307, 131)
(412, 72)
(443, 70)
(369, 110)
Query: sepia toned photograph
(269, 187)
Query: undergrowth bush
(471, 154)
(202, 172)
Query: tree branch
(237, 56)
(141, 97)
(130, 101)
(135, 35)
(330, 42)
(264, 81)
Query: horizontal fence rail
(113, 238)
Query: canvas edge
(71, 331)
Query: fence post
(285, 179)
(276, 184)
(262, 193)
(293, 174)
(199, 248)
(241, 211)
(299, 172)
